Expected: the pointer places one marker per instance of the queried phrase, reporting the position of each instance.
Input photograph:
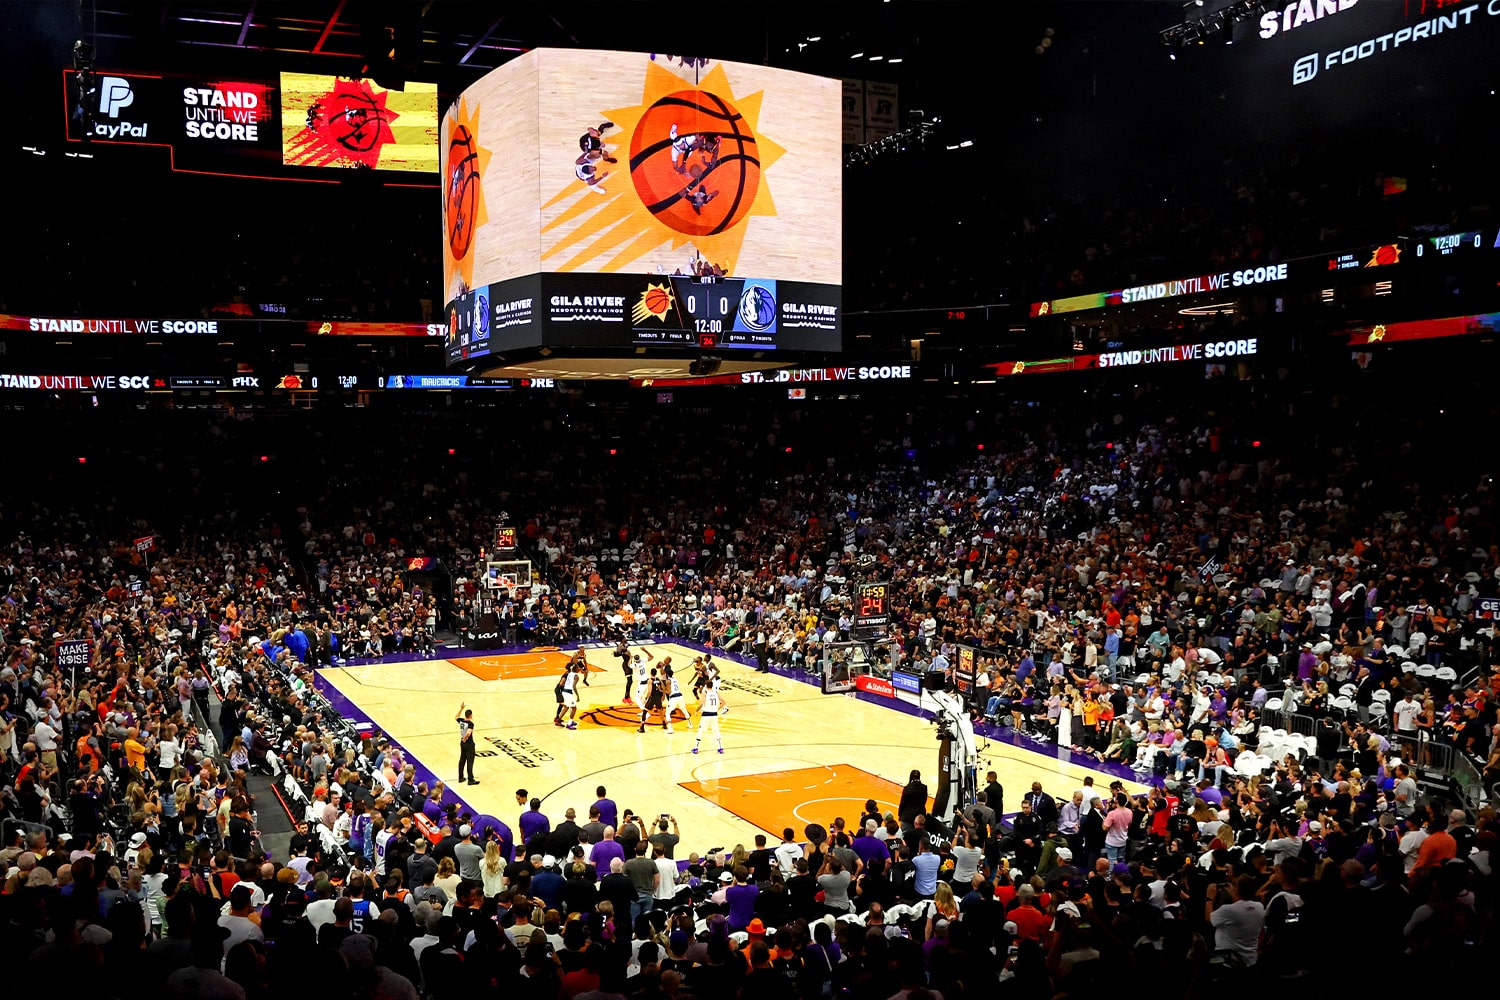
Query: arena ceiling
(458, 37)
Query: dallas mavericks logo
(757, 308)
(481, 314)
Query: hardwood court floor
(792, 755)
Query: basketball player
(557, 692)
(642, 665)
(713, 707)
(682, 145)
(697, 199)
(592, 141)
(569, 696)
(656, 692)
(581, 664)
(586, 172)
(622, 652)
(700, 677)
(656, 696)
(675, 701)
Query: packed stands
(1071, 554)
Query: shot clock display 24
(873, 610)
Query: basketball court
(792, 755)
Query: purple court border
(995, 734)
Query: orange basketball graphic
(695, 163)
(463, 191)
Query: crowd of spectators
(135, 781)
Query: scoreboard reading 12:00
(738, 312)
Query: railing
(1468, 782)
(1442, 763)
(1299, 723)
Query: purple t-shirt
(869, 848)
(506, 838)
(741, 899)
(604, 852)
(609, 813)
(533, 822)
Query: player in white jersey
(682, 145)
(641, 664)
(675, 700)
(713, 707)
(584, 170)
(568, 691)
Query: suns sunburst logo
(693, 170)
(655, 302)
(463, 197)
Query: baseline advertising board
(239, 381)
(1237, 281)
(1214, 351)
(619, 178)
(1485, 324)
(786, 376)
(156, 326)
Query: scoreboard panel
(872, 606)
(618, 200)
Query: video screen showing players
(715, 186)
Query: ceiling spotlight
(857, 55)
(892, 62)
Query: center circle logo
(695, 163)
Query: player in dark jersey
(622, 650)
(592, 141)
